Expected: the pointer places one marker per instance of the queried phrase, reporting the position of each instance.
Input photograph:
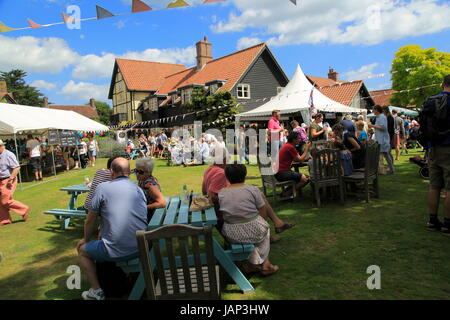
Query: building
(88, 110)
(5, 96)
(350, 93)
(143, 90)
(382, 97)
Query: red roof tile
(146, 75)
(343, 92)
(322, 82)
(382, 97)
(230, 68)
(85, 110)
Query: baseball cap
(1, 142)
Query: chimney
(3, 86)
(45, 102)
(333, 75)
(204, 53)
(92, 103)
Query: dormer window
(243, 91)
(186, 95)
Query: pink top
(214, 180)
(274, 124)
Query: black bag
(113, 280)
(434, 120)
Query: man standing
(275, 132)
(399, 133)
(9, 169)
(34, 149)
(435, 125)
(382, 136)
(122, 208)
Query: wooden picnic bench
(65, 215)
(177, 212)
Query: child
(241, 205)
(346, 157)
(361, 133)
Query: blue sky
(357, 38)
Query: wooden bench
(65, 215)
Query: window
(186, 96)
(279, 89)
(213, 88)
(243, 91)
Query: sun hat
(1, 142)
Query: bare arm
(354, 143)
(155, 194)
(315, 133)
(89, 225)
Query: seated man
(122, 208)
(214, 180)
(286, 156)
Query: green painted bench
(65, 215)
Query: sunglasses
(139, 171)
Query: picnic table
(72, 211)
(177, 212)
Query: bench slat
(211, 219)
(172, 211)
(196, 219)
(183, 215)
(157, 218)
(66, 212)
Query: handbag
(200, 203)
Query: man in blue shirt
(439, 164)
(382, 136)
(122, 208)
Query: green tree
(223, 118)
(414, 67)
(104, 112)
(23, 94)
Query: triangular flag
(178, 3)
(139, 6)
(67, 18)
(33, 24)
(294, 1)
(5, 28)
(212, 1)
(103, 13)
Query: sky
(356, 38)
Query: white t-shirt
(35, 147)
(92, 145)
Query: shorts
(288, 176)
(92, 153)
(36, 164)
(97, 251)
(395, 142)
(439, 165)
(160, 147)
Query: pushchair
(424, 171)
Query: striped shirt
(102, 175)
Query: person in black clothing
(351, 143)
(391, 122)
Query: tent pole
(53, 157)
(17, 155)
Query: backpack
(434, 120)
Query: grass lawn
(324, 257)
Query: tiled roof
(85, 110)
(7, 96)
(230, 68)
(382, 97)
(146, 75)
(343, 92)
(322, 82)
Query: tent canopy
(295, 98)
(17, 118)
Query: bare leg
(88, 267)
(268, 213)
(447, 205)
(433, 201)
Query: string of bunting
(102, 13)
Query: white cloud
(84, 91)
(365, 22)
(101, 66)
(247, 42)
(365, 72)
(42, 84)
(40, 55)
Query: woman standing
(316, 132)
(92, 150)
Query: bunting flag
(67, 18)
(33, 24)
(177, 4)
(312, 108)
(294, 1)
(139, 6)
(103, 13)
(212, 1)
(5, 28)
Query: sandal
(248, 267)
(285, 226)
(268, 272)
(274, 239)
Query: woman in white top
(92, 150)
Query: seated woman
(242, 206)
(150, 186)
(351, 143)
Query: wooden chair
(326, 172)
(321, 144)
(369, 176)
(176, 278)
(270, 182)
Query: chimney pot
(45, 102)
(333, 75)
(92, 103)
(204, 53)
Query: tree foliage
(414, 67)
(201, 100)
(104, 112)
(23, 94)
